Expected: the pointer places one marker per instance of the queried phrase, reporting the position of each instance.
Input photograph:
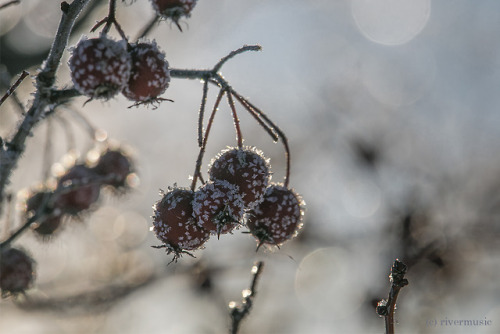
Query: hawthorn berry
(174, 9)
(100, 67)
(246, 168)
(218, 207)
(278, 217)
(16, 271)
(174, 224)
(77, 190)
(50, 219)
(114, 166)
(149, 76)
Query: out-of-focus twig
(10, 3)
(238, 313)
(12, 88)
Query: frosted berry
(246, 168)
(149, 76)
(16, 271)
(174, 225)
(174, 9)
(50, 219)
(218, 207)
(114, 166)
(100, 67)
(77, 190)
(278, 218)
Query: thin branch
(197, 170)
(10, 3)
(202, 113)
(244, 48)
(147, 29)
(12, 88)
(238, 313)
(386, 308)
(44, 82)
(239, 136)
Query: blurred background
(391, 111)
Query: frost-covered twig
(10, 154)
(385, 308)
(238, 313)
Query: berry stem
(147, 29)
(12, 88)
(236, 120)
(256, 112)
(244, 48)
(110, 20)
(197, 170)
(202, 113)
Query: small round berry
(218, 207)
(50, 219)
(278, 218)
(174, 9)
(77, 190)
(100, 67)
(114, 165)
(246, 168)
(174, 225)
(149, 76)
(16, 271)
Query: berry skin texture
(114, 166)
(16, 271)
(174, 9)
(52, 220)
(218, 207)
(149, 76)
(77, 190)
(246, 168)
(278, 218)
(174, 225)
(100, 67)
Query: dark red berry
(149, 76)
(16, 271)
(100, 67)
(246, 168)
(218, 207)
(77, 190)
(174, 225)
(174, 9)
(278, 217)
(50, 219)
(114, 166)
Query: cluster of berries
(239, 192)
(77, 190)
(101, 68)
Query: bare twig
(238, 313)
(42, 97)
(385, 308)
(10, 3)
(12, 88)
